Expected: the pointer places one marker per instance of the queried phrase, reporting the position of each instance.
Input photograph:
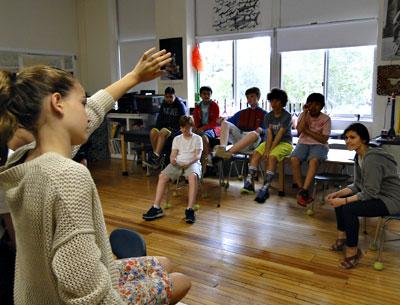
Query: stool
(380, 238)
(326, 178)
(127, 243)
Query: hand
(220, 120)
(149, 65)
(173, 162)
(259, 130)
(184, 166)
(330, 196)
(337, 202)
(265, 156)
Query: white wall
(98, 56)
(174, 18)
(41, 25)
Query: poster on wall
(234, 15)
(391, 31)
(173, 70)
(388, 81)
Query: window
(232, 66)
(343, 75)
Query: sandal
(339, 245)
(351, 261)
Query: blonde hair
(22, 94)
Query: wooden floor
(246, 253)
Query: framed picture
(174, 70)
(391, 31)
(388, 81)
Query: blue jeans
(310, 151)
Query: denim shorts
(310, 151)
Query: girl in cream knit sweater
(63, 253)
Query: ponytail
(22, 94)
(8, 121)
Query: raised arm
(148, 68)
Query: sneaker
(262, 194)
(248, 187)
(190, 217)
(303, 198)
(153, 161)
(153, 213)
(221, 152)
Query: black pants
(347, 217)
(7, 266)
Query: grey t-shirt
(204, 113)
(275, 123)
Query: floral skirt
(143, 281)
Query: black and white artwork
(233, 15)
(391, 29)
(174, 69)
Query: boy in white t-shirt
(184, 160)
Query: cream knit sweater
(63, 252)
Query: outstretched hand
(149, 65)
(147, 68)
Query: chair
(380, 239)
(242, 158)
(127, 243)
(325, 178)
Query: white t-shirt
(3, 207)
(186, 147)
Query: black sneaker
(262, 194)
(153, 213)
(248, 187)
(153, 161)
(190, 217)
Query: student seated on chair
(167, 125)
(277, 144)
(184, 160)
(206, 115)
(375, 192)
(244, 128)
(314, 128)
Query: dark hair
(316, 97)
(22, 94)
(169, 90)
(254, 90)
(278, 94)
(185, 120)
(205, 88)
(359, 129)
